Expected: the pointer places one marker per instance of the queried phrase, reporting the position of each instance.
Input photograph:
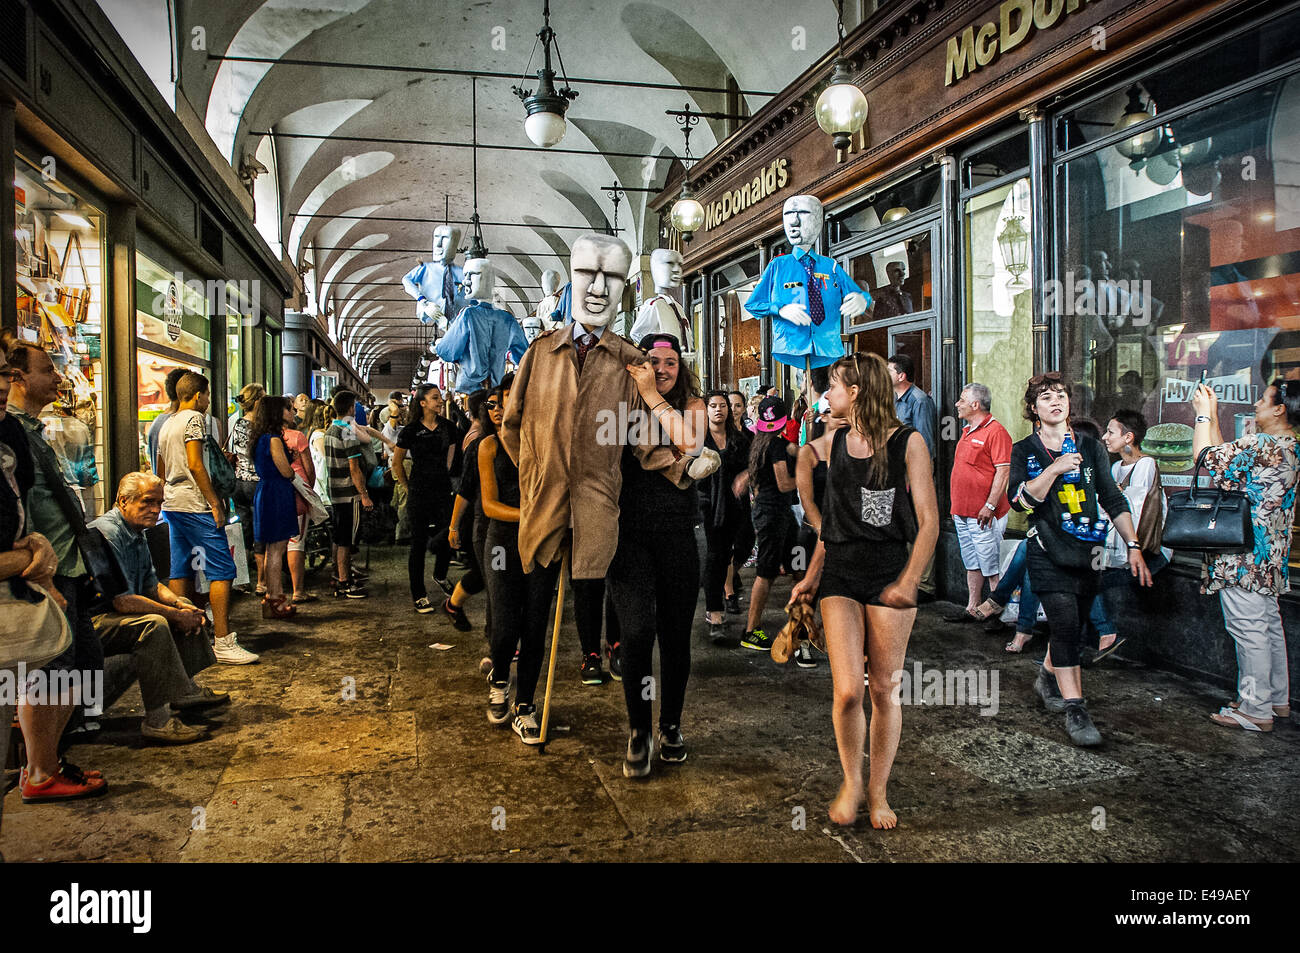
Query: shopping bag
(235, 540)
(315, 507)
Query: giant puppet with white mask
(806, 295)
(552, 286)
(663, 313)
(483, 335)
(438, 285)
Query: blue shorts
(198, 531)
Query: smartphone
(1204, 374)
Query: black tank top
(856, 509)
(648, 499)
(507, 475)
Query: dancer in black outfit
(721, 511)
(468, 525)
(655, 575)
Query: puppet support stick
(555, 646)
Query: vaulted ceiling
(346, 196)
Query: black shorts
(860, 571)
(778, 534)
(346, 522)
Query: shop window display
(1184, 247)
(999, 298)
(60, 279)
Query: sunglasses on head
(1050, 377)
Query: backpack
(220, 472)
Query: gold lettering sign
(980, 44)
(766, 181)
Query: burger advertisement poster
(1170, 442)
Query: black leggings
(743, 546)
(655, 581)
(591, 607)
(431, 518)
(720, 543)
(472, 582)
(1067, 615)
(521, 609)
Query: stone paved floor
(410, 769)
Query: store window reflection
(739, 335)
(1185, 261)
(898, 277)
(999, 297)
(60, 279)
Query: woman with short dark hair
(1061, 478)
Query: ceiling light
(841, 108)
(894, 214)
(544, 124)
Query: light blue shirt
(426, 281)
(784, 282)
(479, 341)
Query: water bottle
(1067, 446)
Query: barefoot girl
(879, 498)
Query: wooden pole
(555, 645)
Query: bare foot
(844, 809)
(882, 818)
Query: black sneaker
(615, 655)
(758, 640)
(718, 636)
(498, 710)
(591, 673)
(672, 746)
(1047, 689)
(803, 656)
(640, 750)
(423, 605)
(459, 620)
(445, 586)
(352, 590)
(1079, 726)
(733, 604)
(526, 726)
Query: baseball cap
(771, 415)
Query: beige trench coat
(568, 478)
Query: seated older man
(137, 633)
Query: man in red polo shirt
(980, 470)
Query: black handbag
(95, 550)
(1208, 520)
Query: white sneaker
(229, 652)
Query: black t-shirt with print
(765, 489)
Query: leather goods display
(1208, 520)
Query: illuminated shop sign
(766, 181)
(980, 44)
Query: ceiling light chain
(841, 108)
(687, 213)
(545, 106)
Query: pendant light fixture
(687, 213)
(476, 247)
(544, 123)
(1144, 144)
(841, 108)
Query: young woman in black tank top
(879, 498)
(654, 578)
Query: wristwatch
(1202, 418)
(990, 507)
(1133, 544)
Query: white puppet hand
(707, 462)
(796, 314)
(854, 305)
(429, 310)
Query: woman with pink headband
(654, 579)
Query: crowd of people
(838, 493)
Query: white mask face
(532, 328)
(666, 268)
(802, 217)
(551, 281)
(599, 266)
(445, 242)
(480, 279)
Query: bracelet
(655, 408)
(1202, 419)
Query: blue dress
(275, 503)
